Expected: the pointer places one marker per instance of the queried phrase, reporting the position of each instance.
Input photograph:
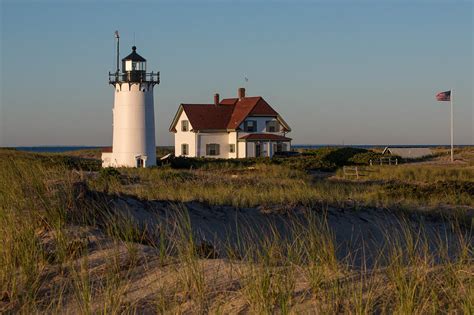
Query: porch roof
(264, 136)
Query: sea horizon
(65, 148)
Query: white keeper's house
(230, 128)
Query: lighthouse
(133, 113)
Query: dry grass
(66, 251)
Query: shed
(408, 153)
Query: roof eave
(283, 122)
(175, 119)
(210, 130)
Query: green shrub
(365, 157)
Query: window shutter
(208, 149)
(217, 149)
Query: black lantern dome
(133, 62)
(134, 70)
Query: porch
(263, 145)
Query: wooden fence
(355, 171)
(384, 161)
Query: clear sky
(358, 72)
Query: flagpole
(452, 127)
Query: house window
(232, 148)
(212, 149)
(250, 125)
(271, 126)
(184, 125)
(184, 149)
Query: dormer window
(272, 126)
(184, 125)
(250, 125)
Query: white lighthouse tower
(133, 114)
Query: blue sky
(358, 72)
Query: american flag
(443, 96)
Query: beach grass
(48, 222)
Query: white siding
(242, 149)
(221, 138)
(197, 141)
(187, 137)
(232, 140)
(261, 124)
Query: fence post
(396, 161)
(370, 161)
(357, 172)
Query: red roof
(265, 136)
(229, 114)
(107, 149)
(207, 116)
(249, 106)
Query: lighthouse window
(184, 125)
(128, 65)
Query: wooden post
(357, 172)
(396, 161)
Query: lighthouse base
(109, 159)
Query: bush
(365, 157)
(209, 163)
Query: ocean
(58, 149)
(54, 149)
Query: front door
(279, 147)
(139, 162)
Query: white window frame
(184, 149)
(271, 123)
(184, 125)
(212, 149)
(253, 123)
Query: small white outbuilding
(408, 153)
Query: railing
(135, 76)
(384, 160)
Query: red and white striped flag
(443, 96)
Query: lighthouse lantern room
(133, 114)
